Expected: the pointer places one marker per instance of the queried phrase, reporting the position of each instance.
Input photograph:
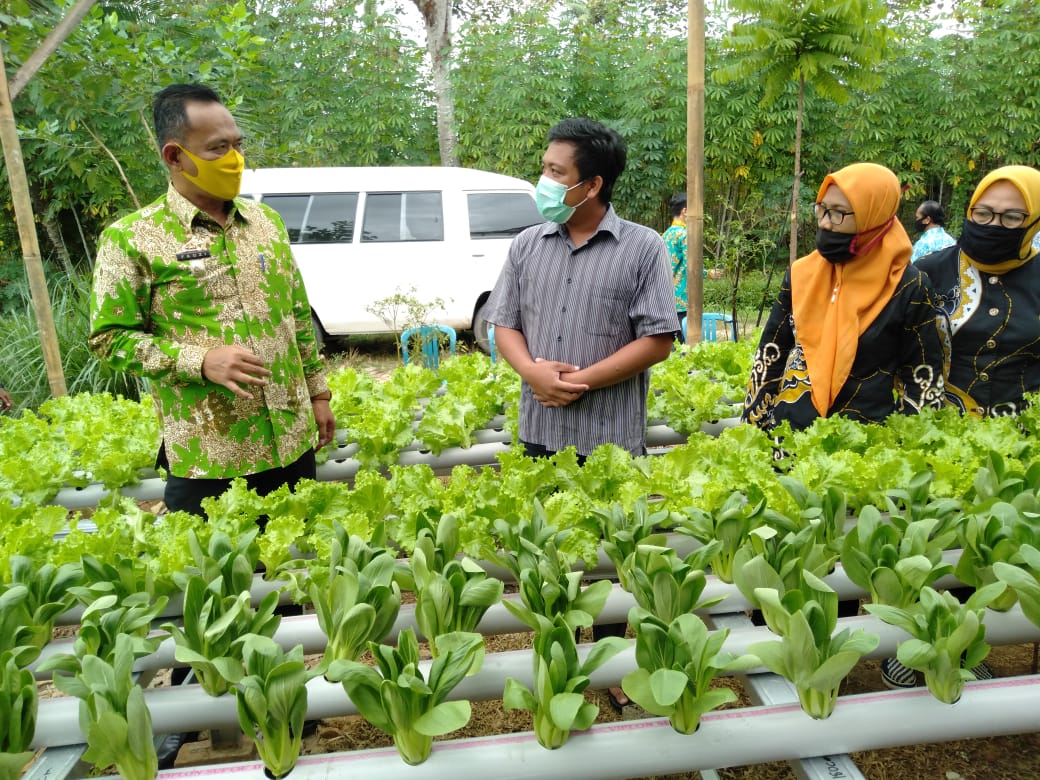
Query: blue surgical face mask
(548, 197)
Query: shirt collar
(186, 212)
(611, 223)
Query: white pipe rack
(615, 751)
(189, 708)
(342, 466)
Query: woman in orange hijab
(989, 285)
(854, 330)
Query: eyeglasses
(983, 215)
(836, 216)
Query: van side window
(317, 219)
(501, 214)
(403, 216)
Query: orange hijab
(833, 303)
(1027, 182)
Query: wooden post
(27, 235)
(694, 169)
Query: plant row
(76, 440)
(776, 558)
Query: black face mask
(835, 247)
(990, 244)
(919, 225)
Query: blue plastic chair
(429, 337)
(709, 326)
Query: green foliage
(677, 662)
(809, 654)
(948, 638)
(113, 715)
(272, 701)
(560, 678)
(396, 698)
(18, 704)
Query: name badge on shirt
(194, 258)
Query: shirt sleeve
(925, 360)
(503, 305)
(119, 304)
(770, 361)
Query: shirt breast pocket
(608, 311)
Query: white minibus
(362, 235)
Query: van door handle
(478, 255)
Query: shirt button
(994, 279)
(984, 376)
(991, 344)
(994, 312)
(559, 338)
(568, 281)
(564, 309)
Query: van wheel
(319, 332)
(480, 330)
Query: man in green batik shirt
(199, 293)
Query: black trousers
(184, 494)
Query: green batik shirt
(169, 285)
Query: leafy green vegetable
(112, 713)
(272, 701)
(451, 594)
(622, 531)
(730, 526)
(666, 585)
(560, 679)
(18, 703)
(988, 536)
(948, 638)
(893, 562)
(396, 698)
(677, 663)
(809, 654)
(771, 560)
(1023, 576)
(48, 593)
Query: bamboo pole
(694, 170)
(27, 235)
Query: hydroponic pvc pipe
(636, 748)
(189, 708)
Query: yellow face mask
(222, 177)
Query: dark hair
(598, 151)
(169, 114)
(676, 204)
(932, 210)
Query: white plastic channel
(189, 708)
(636, 748)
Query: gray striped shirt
(580, 306)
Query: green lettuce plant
(809, 654)
(398, 700)
(272, 701)
(894, 562)
(32, 601)
(549, 589)
(623, 531)
(666, 585)
(990, 536)
(677, 662)
(1023, 575)
(212, 624)
(771, 560)
(560, 678)
(520, 542)
(451, 594)
(113, 715)
(948, 638)
(18, 703)
(356, 599)
(730, 525)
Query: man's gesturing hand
(234, 366)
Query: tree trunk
(437, 18)
(797, 170)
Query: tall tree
(830, 46)
(436, 16)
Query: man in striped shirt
(584, 304)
